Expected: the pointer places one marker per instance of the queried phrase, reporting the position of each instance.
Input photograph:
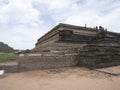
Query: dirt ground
(71, 78)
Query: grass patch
(7, 56)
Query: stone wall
(95, 56)
(8, 67)
(46, 62)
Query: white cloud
(105, 13)
(19, 12)
(22, 22)
(20, 26)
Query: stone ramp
(110, 70)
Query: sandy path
(74, 78)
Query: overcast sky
(22, 22)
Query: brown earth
(72, 78)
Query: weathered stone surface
(69, 45)
(99, 56)
(46, 62)
(53, 40)
(9, 67)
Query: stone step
(99, 51)
(101, 65)
(99, 54)
(99, 45)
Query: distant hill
(5, 48)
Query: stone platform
(69, 45)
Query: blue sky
(22, 22)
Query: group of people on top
(101, 31)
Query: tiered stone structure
(69, 45)
(100, 53)
(64, 36)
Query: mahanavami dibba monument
(70, 45)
